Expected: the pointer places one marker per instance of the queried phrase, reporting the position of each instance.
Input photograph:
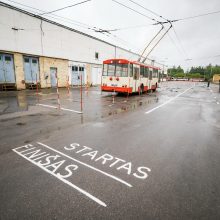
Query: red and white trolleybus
(124, 76)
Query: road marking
(170, 100)
(87, 165)
(217, 103)
(55, 107)
(63, 180)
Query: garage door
(77, 71)
(96, 76)
(31, 69)
(7, 74)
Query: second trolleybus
(125, 76)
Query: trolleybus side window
(105, 70)
(136, 73)
(111, 69)
(155, 73)
(142, 71)
(150, 74)
(131, 70)
(146, 72)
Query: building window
(81, 68)
(26, 60)
(34, 61)
(74, 68)
(7, 58)
(96, 55)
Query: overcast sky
(196, 40)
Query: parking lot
(148, 156)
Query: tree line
(206, 72)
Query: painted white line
(55, 107)
(170, 100)
(64, 180)
(87, 165)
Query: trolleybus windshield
(115, 69)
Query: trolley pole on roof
(139, 59)
(158, 42)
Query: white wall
(57, 42)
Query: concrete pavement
(149, 157)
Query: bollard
(58, 95)
(68, 86)
(81, 92)
(87, 84)
(113, 97)
(37, 89)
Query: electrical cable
(201, 15)
(70, 6)
(152, 19)
(181, 45)
(149, 10)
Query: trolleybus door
(136, 77)
(150, 77)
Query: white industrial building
(34, 49)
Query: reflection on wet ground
(96, 104)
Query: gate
(31, 70)
(96, 76)
(7, 74)
(77, 71)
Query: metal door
(96, 76)
(77, 72)
(7, 74)
(31, 69)
(75, 79)
(53, 76)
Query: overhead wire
(200, 15)
(68, 20)
(80, 24)
(69, 6)
(167, 21)
(181, 45)
(152, 19)
(147, 9)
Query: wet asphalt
(174, 133)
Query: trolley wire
(152, 19)
(80, 24)
(69, 6)
(161, 23)
(200, 15)
(181, 45)
(54, 16)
